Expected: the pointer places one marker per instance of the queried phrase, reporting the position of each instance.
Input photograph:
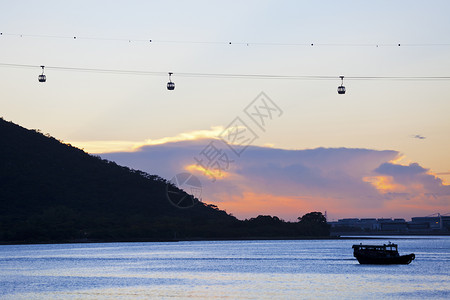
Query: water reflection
(226, 269)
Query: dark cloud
(418, 136)
(414, 174)
(344, 179)
(400, 170)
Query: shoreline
(350, 236)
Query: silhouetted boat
(381, 255)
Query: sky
(380, 150)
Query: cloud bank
(288, 183)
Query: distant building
(348, 221)
(417, 225)
(445, 222)
(395, 226)
(399, 220)
(384, 220)
(369, 224)
(434, 223)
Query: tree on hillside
(314, 224)
(313, 217)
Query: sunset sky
(380, 150)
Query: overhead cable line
(171, 85)
(242, 43)
(225, 75)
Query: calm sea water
(222, 269)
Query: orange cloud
(215, 173)
(400, 160)
(385, 184)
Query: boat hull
(373, 260)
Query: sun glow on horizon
(212, 133)
(132, 146)
(251, 203)
(101, 147)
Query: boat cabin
(384, 247)
(389, 250)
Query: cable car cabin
(341, 89)
(42, 78)
(170, 86)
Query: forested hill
(51, 191)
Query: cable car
(341, 88)
(170, 84)
(42, 77)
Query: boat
(381, 255)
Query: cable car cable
(76, 37)
(226, 75)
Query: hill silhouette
(53, 192)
